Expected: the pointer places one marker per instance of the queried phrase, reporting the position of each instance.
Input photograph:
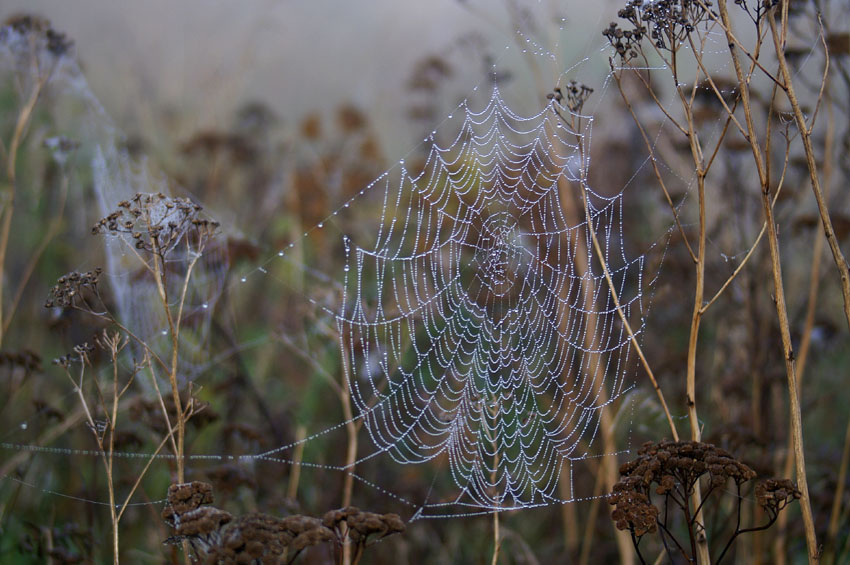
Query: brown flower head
(70, 290)
(156, 223)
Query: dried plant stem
(806, 136)
(8, 208)
(601, 256)
(779, 289)
(497, 538)
(159, 273)
(607, 474)
(295, 475)
(701, 542)
(794, 400)
(809, 320)
(351, 429)
(696, 317)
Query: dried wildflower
(58, 43)
(185, 497)
(206, 143)
(775, 494)
(40, 32)
(69, 289)
(27, 23)
(80, 354)
(574, 94)
(667, 23)
(156, 223)
(255, 117)
(672, 469)
(357, 526)
(632, 509)
(757, 9)
(677, 466)
(216, 536)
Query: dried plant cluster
(671, 470)
(216, 536)
(70, 289)
(156, 223)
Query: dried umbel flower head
(669, 468)
(775, 494)
(185, 497)
(156, 223)
(358, 525)
(572, 96)
(80, 354)
(31, 31)
(632, 509)
(69, 289)
(666, 22)
(203, 521)
(679, 464)
(216, 536)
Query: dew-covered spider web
(476, 326)
(480, 319)
(475, 309)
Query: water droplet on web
(346, 267)
(164, 332)
(24, 426)
(320, 225)
(243, 279)
(280, 253)
(205, 305)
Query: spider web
(477, 327)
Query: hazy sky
(199, 58)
